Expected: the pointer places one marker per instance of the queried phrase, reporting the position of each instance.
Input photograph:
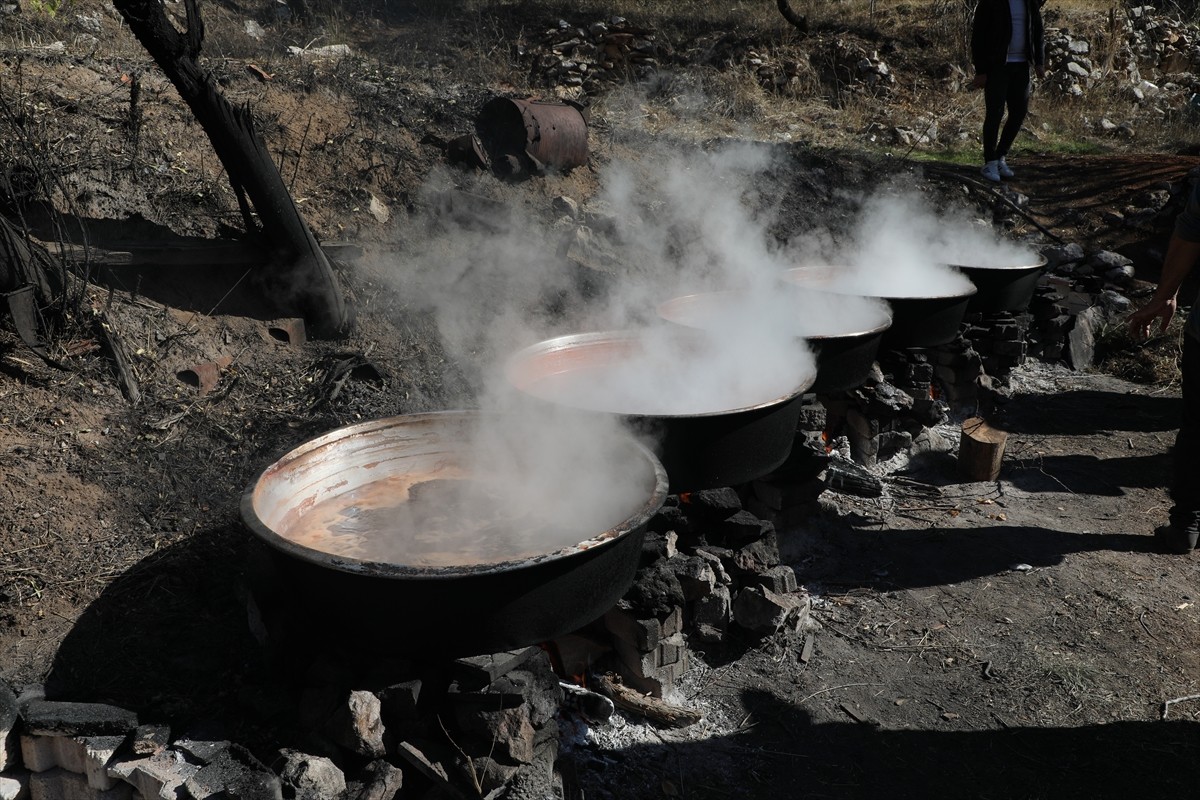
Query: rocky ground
(1015, 639)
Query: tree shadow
(145, 259)
(907, 559)
(786, 754)
(169, 638)
(1090, 411)
(1086, 474)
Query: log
(651, 708)
(980, 450)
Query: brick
(642, 634)
(98, 754)
(59, 784)
(38, 752)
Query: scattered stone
(306, 777)
(1081, 341)
(150, 740)
(358, 726)
(1065, 254)
(380, 780)
(235, 773)
(764, 611)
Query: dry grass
(1154, 361)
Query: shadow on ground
(786, 755)
(1085, 474)
(169, 638)
(1085, 411)
(909, 559)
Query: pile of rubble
(575, 61)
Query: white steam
(900, 247)
(680, 223)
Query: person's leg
(1185, 483)
(1016, 97)
(995, 94)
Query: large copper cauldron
(920, 317)
(1003, 287)
(844, 343)
(335, 513)
(706, 445)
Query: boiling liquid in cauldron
(440, 522)
(643, 384)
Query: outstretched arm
(1182, 256)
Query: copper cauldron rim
(366, 567)
(567, 341)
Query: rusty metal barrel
(534, 135)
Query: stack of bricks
(54, 750)
(651, 650)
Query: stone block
(741, 526)
(98, 753)
(158, 777)
(780, 579)
(696, 577)
(641, 634)
(477, 672)
(57, 718)
(714, 609)
(764, 611)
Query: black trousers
(1009, 88)
(1185, 482)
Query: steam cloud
(683, 223)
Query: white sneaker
(1003, 168)
(991, 171)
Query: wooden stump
(980, 450)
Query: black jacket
(992, 30)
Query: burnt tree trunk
(298, 274)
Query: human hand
(979, 81)
(1140, 321)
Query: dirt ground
(1012, 640)
(1015, 639)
